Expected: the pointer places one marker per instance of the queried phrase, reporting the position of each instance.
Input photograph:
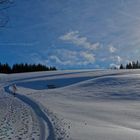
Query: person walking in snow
(14, 88)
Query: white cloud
(59, 61)
(89, 57)
(71, 57)
(75, 38)
(66, 54)
(112, 49)
(114, 66)
(116, 59)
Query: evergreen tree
(130, 66)
(121, 66)
(137, 64)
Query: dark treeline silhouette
(19, 68)
(131, 65)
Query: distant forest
(20, 68)
(131, 65)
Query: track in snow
(37, 111)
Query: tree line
(20, 68)
(131, 65)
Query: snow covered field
(81, 105)
(17, 120)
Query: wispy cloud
(59, 61)
(89, 57)
(112, 49)
(112, 65)
(19, 44)
(70, 58)
(130, 15)
(36, 58)
(117, 59)
(75, 38)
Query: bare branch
(4, 18)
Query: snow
(84, 105)
(17, 120)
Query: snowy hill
(83, 105)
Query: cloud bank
(75, 38)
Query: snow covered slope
(87, 105)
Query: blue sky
(71, 34)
